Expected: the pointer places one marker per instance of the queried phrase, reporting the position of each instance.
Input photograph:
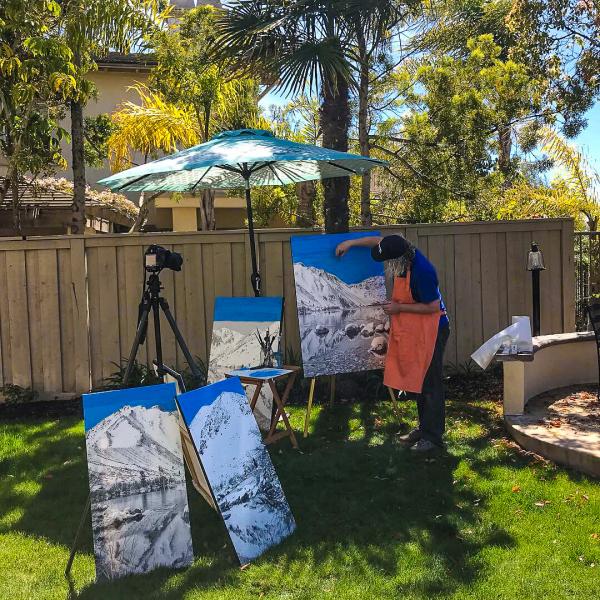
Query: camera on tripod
(157, 258)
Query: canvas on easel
(238, 467)
(139, 505)
(342, 324)
(238, 323)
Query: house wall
(69, 305)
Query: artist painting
(140, 516)
(343, 327)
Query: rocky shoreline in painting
(342, 326)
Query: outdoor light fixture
(535, 264)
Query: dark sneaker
(424, 446)
(410, 439)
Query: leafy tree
(444, 148)
(189, 98)
(151, 128)
(96, 133)
(188, 76)
(36, 79)
(561, 40)
(92, 28)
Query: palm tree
(580, 178)
(303, 43)
(92, 28)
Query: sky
(100, 405)
(319, 251)
(191, 402)
(249, 309)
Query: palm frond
(155, 126)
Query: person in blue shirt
(417, 338)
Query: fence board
(50, 320)
(36, 331)
(65, 305)
(16, 287)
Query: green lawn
(482, 521)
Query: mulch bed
(41, 409)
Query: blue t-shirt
(424, 285)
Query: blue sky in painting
(191, 402)
(248, 309)
(100, 405)
(319, 251)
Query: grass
(483, 521)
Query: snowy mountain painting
(342, 325)
(238, 467)
(140, 517)
(234, 344)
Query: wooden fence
(68, 305)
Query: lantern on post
(535, 264)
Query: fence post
(81, 327)
(568, 274)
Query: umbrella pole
(255, 277)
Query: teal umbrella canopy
(237, 159)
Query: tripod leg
(141, 330)
(82, 521)
(186, 352)
(159, 356)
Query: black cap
(390, 247)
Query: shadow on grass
(361, 503)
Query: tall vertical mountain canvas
(234, 344)
(342, 324)
(140, 517)
(238, 467)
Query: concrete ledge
(559, 360)
(569, 447)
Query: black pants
(431, 401)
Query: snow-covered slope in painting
(136, 445)
(242, 475)
(318, 290)
(232, 349)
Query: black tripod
(151, 299)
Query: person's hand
(343, 248)
(392, 308)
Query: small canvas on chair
(238, 323)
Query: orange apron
(411, 343)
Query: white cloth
(518, 333)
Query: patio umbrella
(240, 159)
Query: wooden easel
(311, 395)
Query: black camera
(157, 258)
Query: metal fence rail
(587, 273)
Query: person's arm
(421, 308)
(364, 242)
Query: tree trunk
(366, 218)
(335, 122)
(144, 208)
(78, 219)
(505, 148)
(207, 210)
(306, 192)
